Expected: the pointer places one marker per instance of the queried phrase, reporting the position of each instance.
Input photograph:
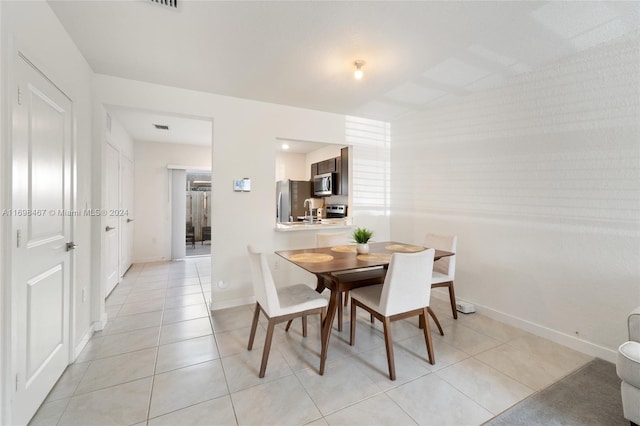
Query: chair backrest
(445, 265)
(263, 285)
(407, 285)
(331, 240)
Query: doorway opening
(198, 214)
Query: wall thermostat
(242, 185)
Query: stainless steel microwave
(324, 184)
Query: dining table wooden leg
(327, 325)
(320, 284)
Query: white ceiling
(184, 130)
(418, 54)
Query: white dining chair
(331, 239)
(444, 269)
(403, 294)
(279, 304)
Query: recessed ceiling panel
(455, 72)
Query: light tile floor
(163, 359)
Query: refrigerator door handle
(279, 207)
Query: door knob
(109, 228)
(71, 246)
(129, 220)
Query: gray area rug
(589, 396)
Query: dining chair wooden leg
(388, 343)
(346, 298)
(435, 319)
(254, 326)
(427, 335)
(352, 334)
(288, 325)
(304, 326)
(340, 311)
(267, 347)
(452, 298)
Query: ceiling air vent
(168, 3)
(161, 126)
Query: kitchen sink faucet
(310, 204)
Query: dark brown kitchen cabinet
(339, 166)
(344, 171)
(327, 166)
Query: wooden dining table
(341, 268)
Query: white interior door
(112, 233)
(41, 262)
(126, 214)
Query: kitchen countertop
(304, 226)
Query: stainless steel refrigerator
(290, 196)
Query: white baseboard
(150, 259)
(568, 340)
(231, 303)
(83, 342)
(559, 337)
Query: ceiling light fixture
(358, 72)
(285, 146)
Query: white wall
(243, 146)
(33, 28)
(325, 153)
(290, 165)
(119, 138)
(5, 348)
(152, 234)
(540, 180)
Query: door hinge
(17, 382)
(19, 95)
(18, 238)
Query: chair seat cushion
(369, 296)
(439, 277)
(297, 298)
(628, 363)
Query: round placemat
(344, 249)
(375, 257)
(403, 248)
(311, 257)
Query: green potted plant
(362, 236)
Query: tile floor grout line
(224, 373)
(155, 365)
